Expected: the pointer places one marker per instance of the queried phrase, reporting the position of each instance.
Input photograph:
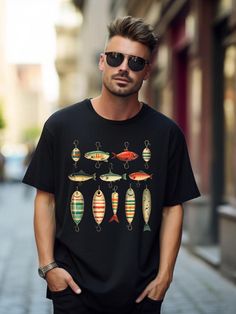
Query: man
(111, 175)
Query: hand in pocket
(58, 279)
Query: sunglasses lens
(114, 59)
(136, 63)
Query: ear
(148, 71)
(101, 62)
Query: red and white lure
(126, 155)
(99, 206)
(114, 202)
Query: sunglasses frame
(129, 58)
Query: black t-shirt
(111, 180)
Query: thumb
(141, 296)
(73, 285)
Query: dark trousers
(66, 302)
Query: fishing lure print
(146, 208)
(112, 177)
(97, 155)
(114, 202)
(77, 208)
(130, 207)
(75, 154)
(140, 176)
(81, 176)
(146, 154)
(126, 155)
(99, 207)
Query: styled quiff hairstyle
(135, 29)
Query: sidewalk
(196, 288)
(21, 290)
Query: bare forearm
(170, 239)
(44, 226)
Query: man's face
(121, 80)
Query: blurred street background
(49, 51)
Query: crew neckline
(137, 116)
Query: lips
(121, 79)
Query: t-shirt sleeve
(40, 172)
(180, 184)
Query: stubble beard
(121, 91)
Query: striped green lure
(77, 208)
(130, 207)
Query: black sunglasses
(114, 59)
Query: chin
(119, 91)
(122, 94)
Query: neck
(116, 108)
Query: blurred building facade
(78, 48)
(93, 37)
(68, 26)
(26, 80)
(24, 101)
(194, 82)
(2, 66)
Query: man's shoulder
(69, 110)
(163, 121)
(66, 114)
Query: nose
(124, 65)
